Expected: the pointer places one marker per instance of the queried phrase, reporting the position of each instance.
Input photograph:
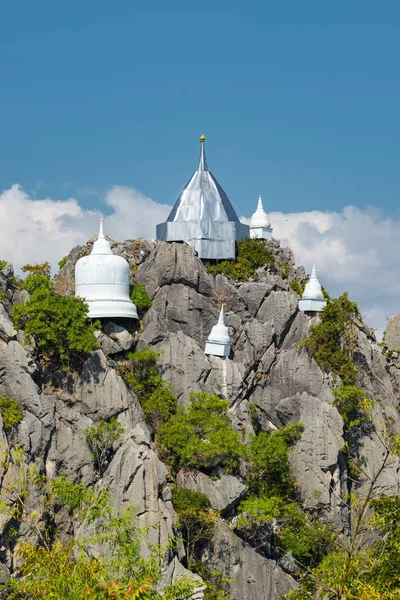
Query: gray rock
(135, 477)
(107, 345)
(177, 571)
(224, 493)
(253, 341)
(174, 263)
(120, 335)
(279, 308)
(101, 393)
(293, 373)
(252, 576)
(7, 331)
(253, 294)
(392, 334)
(315, 457)
(178, 308)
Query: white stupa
(204, 217)
(102, 279)
(313, 298)
(260, 227)
(219, 341)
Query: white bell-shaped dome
(313, 287)
(219, 341)
(102, 280)
(260, 217)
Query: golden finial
(202, 138)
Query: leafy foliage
(195, 519)
(140, 297)
(63, 262)
(57, 569)
(267, 458)
(251, 254)
(352, 404)
(142, 374)
(58, 324)
(331, 342)
(11, 414)
(3, 263)
(201, 436)
(290, 528)
(101, 437)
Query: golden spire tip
(202, 138)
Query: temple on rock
(219, 341)
(102, 280)
(260, 227)
(313, 298)
(204, 217)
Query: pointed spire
(219, 342)
(260, 217)
(101, 232)
(203, 160)
(101, 245)
(313, 287)
(314, 272)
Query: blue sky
(299, 100)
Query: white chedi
(313, 297)
(102, 280)
(219, 341)
(260, 226)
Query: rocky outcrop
(252, 576)
(267, 372)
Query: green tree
(11, 414)
(267, 458)
(101, 437)
(140, 297)
(65, 569)
(331, 342)
(251, 254)
(196, 520)
(353, 405)
(200, 435)
(58, 324)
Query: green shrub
(63, 262)
(298, 287)
(195, 520)
(201, 436)
(141, 372)
(2, 295)
(293, 530)
(251, 254)
(3, 263)
(159, 406)
(58, 324)
(140, 297)
(11, 414)
(352, 404)
(331, 342)
(100, 438)
(267, 458)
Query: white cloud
(355, 250)
(38, 230)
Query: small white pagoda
(219, 341)
(102, 280)
(313, 299)
(260, 226)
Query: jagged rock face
(392, 334)
(253, 577)
(266, 368)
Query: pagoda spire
(203, 160)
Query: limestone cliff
(266, 369)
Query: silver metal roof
(204, 217)
(203, 197)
